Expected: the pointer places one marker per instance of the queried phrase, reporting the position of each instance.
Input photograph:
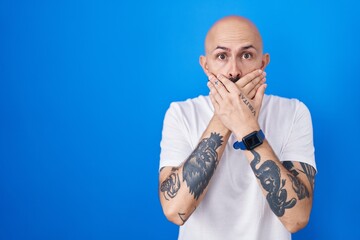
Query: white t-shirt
(234, 206)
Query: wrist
(250, 141)
(244, 131)
(215, 120)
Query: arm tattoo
(290, 167)
(182, 216)
(201, 164)
(171, 185)
(247, 103)
(269, 176)
(310, 173)
(298, 186)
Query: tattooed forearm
(290, 167)
(299, 188)
(171, 185)
(201, 164)
(269, 176)
(310, 173)
(248, 104)
(297, 185)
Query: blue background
(84, 86)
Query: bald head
(233, 48)
(232, 28)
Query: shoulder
(279, 114)
(190, 106)
(275, 103)
(283, 101)
(192, 102)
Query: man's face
(233, 49)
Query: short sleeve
(300, 145)
(175, 145)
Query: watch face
(252, 140)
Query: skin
(234, 63)
(233, 49)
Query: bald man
(237, 164)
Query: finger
(228, 85)
(211, 88)
(251, 85)
(214, 103)
(218, 84)
(251, 93)
(260, 95)
(248, 78)
(209, 75)
(214, 92)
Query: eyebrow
(229, 50)
(223, 48)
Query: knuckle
(227, 100)
(256, 80)
(212, 78)
(246, 77)
(254, 74)
(251, 93)
(227, 85)
(221, 77)
(233, 95)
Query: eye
(247, 56)
(221, 56)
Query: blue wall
(84, 86)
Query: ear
(203, 63)
(265, 61)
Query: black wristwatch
(250, 141)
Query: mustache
(234, 79)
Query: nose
(234, 70)
(234, 76)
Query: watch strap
(241, 144)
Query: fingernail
(260, 71)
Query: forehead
(233, 33)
